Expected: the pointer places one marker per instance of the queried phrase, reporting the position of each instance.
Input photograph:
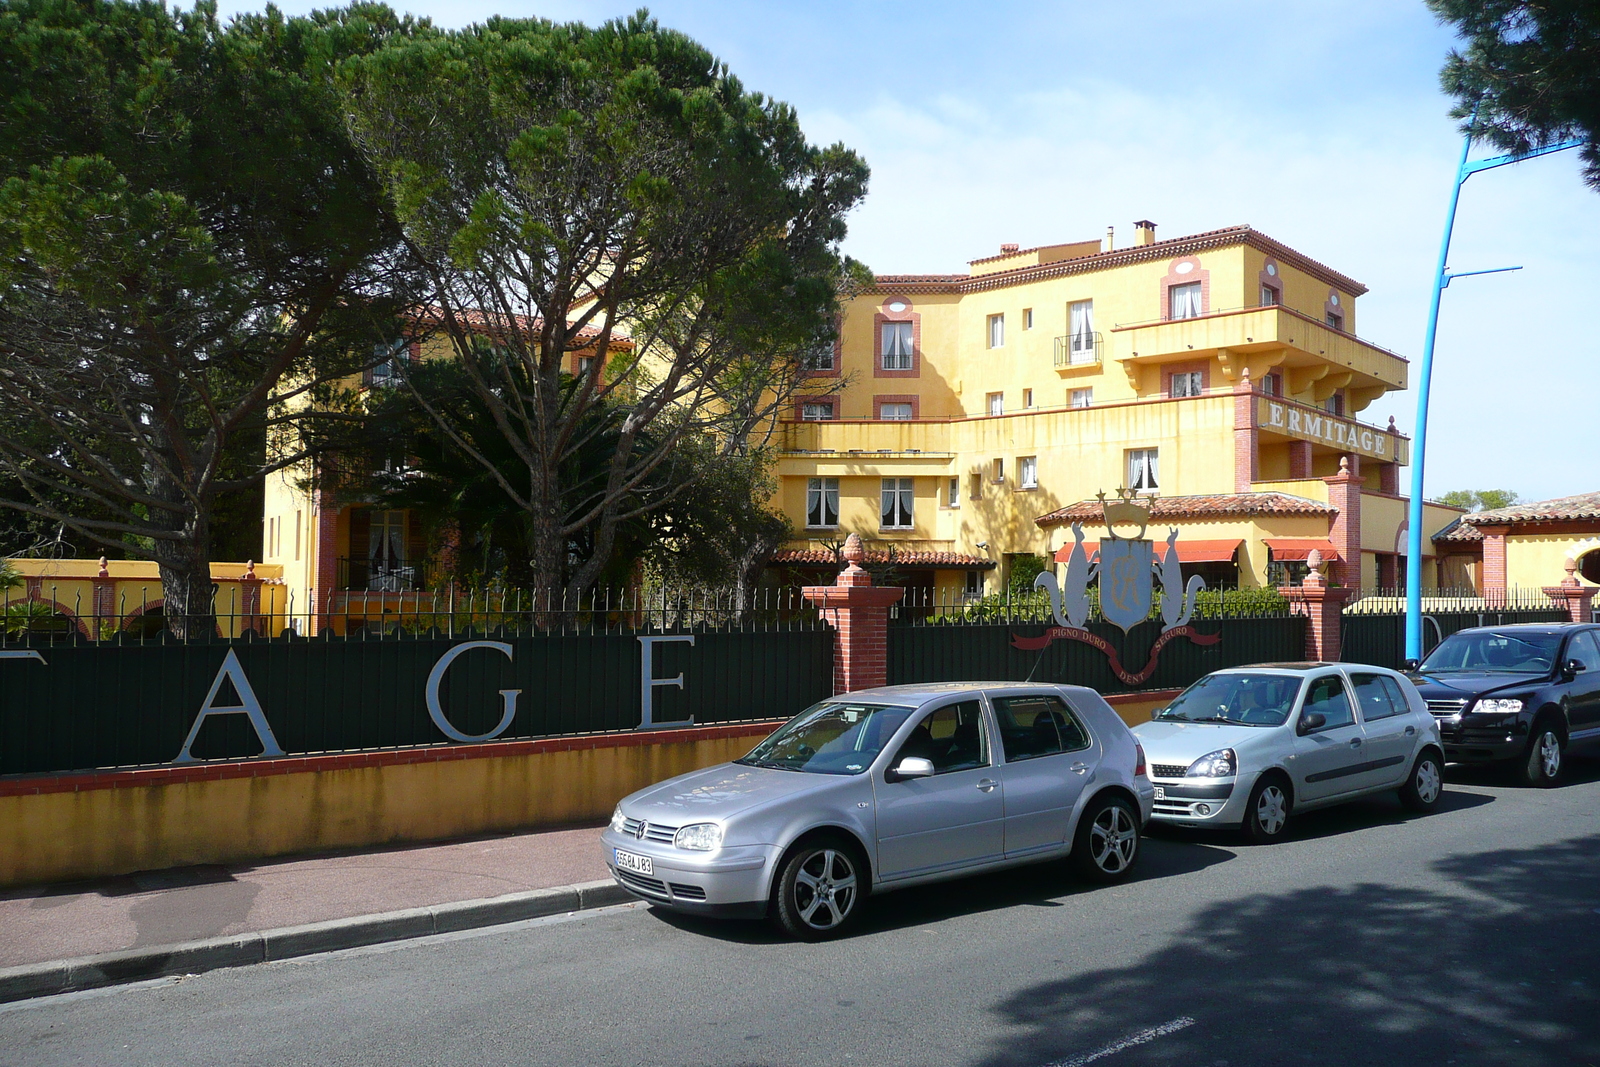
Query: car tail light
(1138, 768)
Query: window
(997, 471)
(952, 738)
(1037, 726)
(1272, 384)
(822, 503)
(997, 331)
(953, 494)
(997, 403)
(896, 504)
(1183, 301)
(1142, 469)
(974, 587)
(1396, 697)
(392, 356)
(1027, 318)
(584, 364)
(819, 358)
(298, 523)
(895, 412)
(1336, 321)
(817, 411)
(1080, 330)
(1269, 296)
(1375, 700)
(1081, 398)
(1334, 405)
(1027, 398)
(1028, 472)
(1327, 695)
(897, 346)
(976, 490)
(1186, 383)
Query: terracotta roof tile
(1214, 505)
(1561, 509)
(1458, 532)
(822, 557)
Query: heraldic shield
(1125, 580)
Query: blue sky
(1321, 124)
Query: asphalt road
(1471, 936)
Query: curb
(241, 950)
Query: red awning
(1188, 551)
(1298, 548)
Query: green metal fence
(69, 705)
(1373, 626)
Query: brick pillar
(859, 613)
(1571, 594)
(1389, 478)
(1299, 459)
(1494, 563)
(1344, 493)
(105, 598)
(1323, 605)
(320, 595)
(250, 601)
(1246, 450)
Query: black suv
(1518, 694)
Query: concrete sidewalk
(192, 918)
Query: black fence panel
(1380, 639)
(984, 652)
(91, 705)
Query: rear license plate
(1161, 794)
(629, 862)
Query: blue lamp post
(1441, 280)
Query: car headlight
(1498, 707)
(699, 837)
(1219, 764)
(617, 820)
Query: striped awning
(1188, 551)
(1298, 548)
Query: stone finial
(1315, 565)
(1391, 424)
(1571, 567)
(854, 552)
(249, 570)
(105, 570)
(1344, 465)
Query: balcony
(1077, 350)
(385, 576)
(1313, 347)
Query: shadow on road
(1504, 974)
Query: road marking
(1141, 1038)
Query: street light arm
(1448, 278)
(1469, 169)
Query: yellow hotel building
(976, 415)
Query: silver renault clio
(886, 788)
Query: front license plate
(1161, 794)
(629, 862)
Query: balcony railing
(1077, 350)
(386, 576)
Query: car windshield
(833, 737)
(1494, 652)
(1242, 699)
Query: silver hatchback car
(887, 788)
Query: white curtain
(897, 346)
(1082, 328)
(1185, 301)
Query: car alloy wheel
(1426, 784)
(819, 890)
(1106, 844)
(1543, 764)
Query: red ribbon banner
(1072, 633)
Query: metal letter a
(248, 705)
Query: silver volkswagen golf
(887, 788)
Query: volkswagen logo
(639, 833)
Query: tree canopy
(1530, 70)
(1479, 499)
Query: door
(1324, 761)
(1390, 730)
(954, 818)
(1049, 756)
(1583, 692)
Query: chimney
(1111, 239)
(1009, 249)
(1144, 232)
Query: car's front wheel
(820, 889)
(1266, 816)
(1541, 764)
(1426, 784)
(1107, 843)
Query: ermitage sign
(249, 704)
(1126, 568)
(1291, 420)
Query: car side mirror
(912, 767)
(1311, 720)
(1573, 667)
(1155, 713)
(1411, 664)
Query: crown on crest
(1125, 509)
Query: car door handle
(1079, 768)
(1355, 742)
(987, 785)
(1411, 731)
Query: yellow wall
(1535, 560)
(69, 583)
(96, 832)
